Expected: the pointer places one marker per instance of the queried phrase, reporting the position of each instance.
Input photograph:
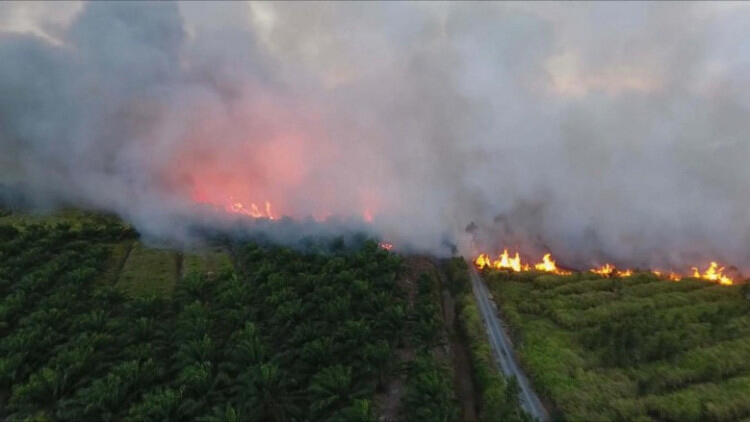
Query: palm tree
(195, 351)
(223, 414)
(332, 388)
(192, 322)
(100, 401)
(192, 288)
(359, 411)
(196, 378)
(246, 350)
(428, 394)
(263, 392)
(162, 404)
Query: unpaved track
(503, 349)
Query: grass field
(116, 260)
(636, 348)
(148, 271)
(208, 261)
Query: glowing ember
(713, 273)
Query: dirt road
(503, 349)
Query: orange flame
(606, 270)
(254, 211)
(713, 273)
(385, 245)
(548, 265)
(673, 276)
(236, 207)
(505, 261)
(483, 261)
(508, 262)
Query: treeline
(634, 348)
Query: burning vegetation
(505, 261)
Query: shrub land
(633, 348)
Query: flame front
(508, 262)
(673, 276)
(504, 261)
(605, 270)
(254, 211)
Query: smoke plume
(596, 131)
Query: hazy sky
(599, 131)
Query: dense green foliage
(429, 390)
(635, 348)
(499, 399)
(326, 326)
(289, 336)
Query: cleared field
(116, 260)
(148, 271)
(206, 262)
(635, 348)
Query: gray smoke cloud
(597, 131)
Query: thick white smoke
(597, 131)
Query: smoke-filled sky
(597, 131)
